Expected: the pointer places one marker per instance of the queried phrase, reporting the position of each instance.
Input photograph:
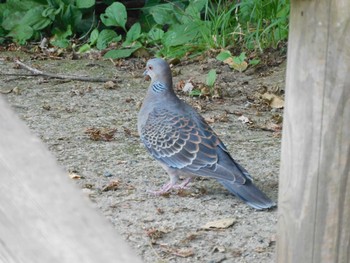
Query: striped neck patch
(158, 87)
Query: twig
(37, 72)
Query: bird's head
(157, 69)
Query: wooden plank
(314, 190)
(43, 216)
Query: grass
(166, 28)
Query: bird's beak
(145, 74)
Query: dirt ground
(76, 121)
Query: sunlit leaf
(105, 37)
(115, 15)
(211, 78)
(85, 3)
(223, 55)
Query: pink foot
(167, 187)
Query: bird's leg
(174, 177)
(184, 183)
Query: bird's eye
(150, 67)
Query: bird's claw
(168, 186)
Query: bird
(180, 139)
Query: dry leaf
(129, 132)
(180, 252)
(210, 120)
(101, 134)
(260, 249)
(110, 85)
(183, 252)
(237, 66)
(121, 162)
(73, 175)
(112, 186)
(219, 224)
(244, 119)
(220, 249)
(274, 101)
(155, 234)
(16, 91)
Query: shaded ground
(116, 174)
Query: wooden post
(43, 216)
(314, 191)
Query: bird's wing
(187, 142)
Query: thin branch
(37, 72)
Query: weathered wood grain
(314, 190)
(43, 216)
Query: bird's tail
(249, 193)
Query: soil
(77, 120)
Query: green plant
(211, 78)
(236, 62)
(167, 29)
(115, 16)
(23, 20)
(264, 23)
(208, 89)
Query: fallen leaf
(183, 252)
(101, 134)
(112, 186)
(220, 249)
(17, 91)
(180, 252)
(274, 100)
(73, 175)
(220, 224)
(110, 85)
(244, 119)
(190, 238)
(237, 66)
(154, 234)
(260, 249)
(129, 132)
(180, 85)
(121, 162)
(210, 120)
(222, 117)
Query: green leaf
(21, 33)
(240, 59)
(94, 36)
(195, 92)
(11, 20)
(223, 55)
(122, 53)
(60, 37)
(84, 48)
(254, 62)
(164, 14)
(115, 15)
(51, 12)
(85, 3)
(193, 11)
(61, 43)
(134, 33)
(105, 37)
(180, 35)
(155, 34)
(211, 78)
(72, 16)
(35, 19)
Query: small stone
(107, 174)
